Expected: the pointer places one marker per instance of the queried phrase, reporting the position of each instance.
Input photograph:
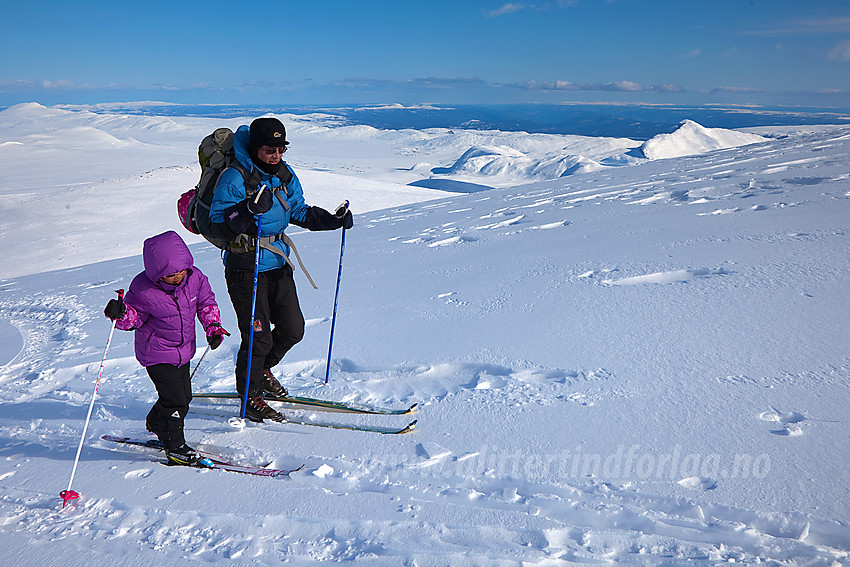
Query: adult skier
(278, 323)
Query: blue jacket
(231, 191)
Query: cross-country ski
(223, 413)
(209, 461)
(324, 405)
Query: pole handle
(260, 192)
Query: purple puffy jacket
(163, 315)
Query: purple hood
(165, 254)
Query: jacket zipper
(180, 315)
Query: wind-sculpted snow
(510, 164)
(641, 365)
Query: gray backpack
(215, 154)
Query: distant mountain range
(635, 121)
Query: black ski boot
(183, 455)
(272, 386)
(258, 410)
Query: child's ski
(209, 461)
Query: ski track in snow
(430, 504)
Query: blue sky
(771, 52)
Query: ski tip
(413, 408)
(285, 473)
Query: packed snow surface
(633, 361)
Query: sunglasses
(269, 151)
(174, 275)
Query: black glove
(217, 335)
(115, 309)
(345, 216)
(263, 202)
(318, 218)
(240, 217)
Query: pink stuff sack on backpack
(184, 211)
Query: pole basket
(67, 495)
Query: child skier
(161, 306)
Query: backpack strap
(252, 182)
(282, 200)
(252, 179)
(266, 242)
(285, 177)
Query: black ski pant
(175, 392)
(278, 322)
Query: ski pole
(69, 494)
(206, 350)
(253, 312)
(343, 206)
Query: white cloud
(736, 90)
(627, 86)
(509, 8)
(617, 86)
(513, 7)
(816, 26)
(58, 84)
(668, 88)
(841, 52)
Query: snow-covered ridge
(516, 156)
(508, 164)
(511, 164)
(380, 168)
(691, 138)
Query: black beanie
(267, 132)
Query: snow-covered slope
(639, 365)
